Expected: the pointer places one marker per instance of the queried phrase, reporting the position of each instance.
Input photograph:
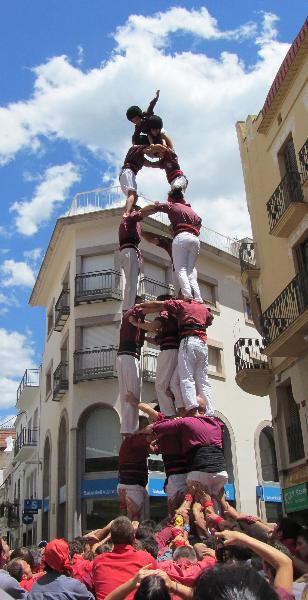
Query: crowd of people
(204, 548)
(189, 556)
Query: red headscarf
(56, 556)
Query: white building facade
(70, 460)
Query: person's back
(54, 586)
(114, 568)
(11, 586)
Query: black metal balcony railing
(295, 442)
(247, 256)
(31, 378)
(149, 364)
(287, 192)
(285, 309)
(303, 159)
(95, 363)
(60, 380)
(149, 289)
(62, 310)
(27, 437)
(248, 354)
(97, 286)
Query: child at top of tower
(140, 120)
(156, 134)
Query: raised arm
(281, 563)
(171, 425)
(151, 307)
(148, 410)
(153, 326)
(121, 592)
(167, 140)
(150, 110)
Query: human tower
(183, 429)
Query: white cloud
(34, 254)
(201, 99)
(16, 273)
(52, 190)
(16, 355)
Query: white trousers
(175, 387)
(167, 362)
(193, 365)
(213, 482)
(185, 250)
(129, 262)
(127, 181)
(128, 369)
(180, 182)
(176, 483)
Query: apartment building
(274, 154)
(76, 445)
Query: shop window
(62, 476)
(102, 440)
(268, 455)
(46, 486)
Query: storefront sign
(156, 486)
(296, 498)
(98, 488)
(269, 493)
(230, 491)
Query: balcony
(62, 310)
(28, 386)
(149, 364)
(303, 159)
(95, 363)
(60, 381)
(285, 321)
(249, 269)
(287, 205)
(25, 442)
(98, 286)
(253, 372)
(149, 289)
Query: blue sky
(67, 79)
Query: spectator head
(286, 529)
(230, 582)
(57, 556)
(37, 558)
(107, 547)
(19, 569)
(89, 555)
(302, 543)
(76, 547)
(185, 552)
(149, 544)
(143, 531)
(122, 531)
(24, 554)
(232, 554)
(152, 587)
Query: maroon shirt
(182, 217)
(130, 230)
(193, 317)
(133, 466)
(170, 447)
(168, 337)
(131, 338)
(193, 431)
(143, 127)
(170, 163)
(134, 159)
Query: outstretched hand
(157, 94)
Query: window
(287, 158)
(62, 467)
(48, 382)
(46, 491)
(207, 291)
(247, 309)
(302, 257)
(102, 440)
(293, 427)
(97, 262)
(50, 322)
(215, 362)
(268, 455)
